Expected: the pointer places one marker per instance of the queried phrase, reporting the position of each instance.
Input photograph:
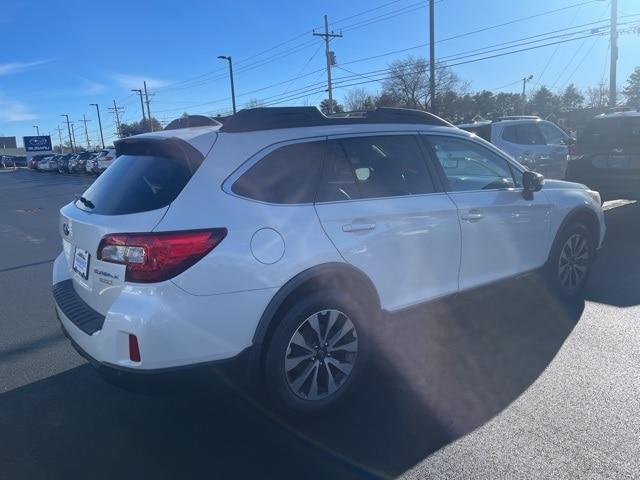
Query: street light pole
(69, 130)
(99, 122)
(524, 92)
(233, 91)
(432, 56)
(37, 130)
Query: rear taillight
(107, 159)
(155, 257)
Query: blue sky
(59, 57)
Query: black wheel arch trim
(316, 272)
(572, 217)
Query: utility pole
(233, 90)
(139, 91)
(146, 96)
(73, 132)
(99, 123)
(432, 56)
(116, 112)
(331, 57)
(524, 92)
(86, 132)
(69, 130)
(37, 130)
(60, 137)
(614, 53)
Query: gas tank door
(267, 246)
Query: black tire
(566, 277)
(279, 381)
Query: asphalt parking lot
(506, 383)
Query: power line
(310, 90)
(458, 56)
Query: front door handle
(472, 216)
(358, 227)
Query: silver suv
(538, 144)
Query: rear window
(288, 175)
(611, 134)
(147, 176)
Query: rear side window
(289, 174)
(523, 134)
(375, 167)
(146, 176)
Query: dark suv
(608, 157)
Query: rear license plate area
(81, 259)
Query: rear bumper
(242, 367)
(175, 330)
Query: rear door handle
(358, 227)
(472, 216)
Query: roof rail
(518, 117)
(269, 118)
(189, 121)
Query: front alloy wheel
(570, 262)
(573, 263)
(321, 355)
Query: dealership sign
(41, 143)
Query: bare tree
(254, 103)
(597, 97)
(357, 99)
(408, 82)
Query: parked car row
(90, 163)
(8, 161)
(605, 156)
(538, 144)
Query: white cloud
(18, 67)
(135, 81)
(91, 88)
(14, 110)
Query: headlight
(595, 196)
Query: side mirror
(531, 182)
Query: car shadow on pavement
(445, 370)
(437, 374)
(616, 272)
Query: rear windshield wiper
(87, 203)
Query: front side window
(469, 166)
(552, 134)
(375, 167)
(288, 175)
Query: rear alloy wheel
(321, 355)
(316, 353)
(572, 260)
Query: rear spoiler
(171, 147)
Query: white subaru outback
(278, 239)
